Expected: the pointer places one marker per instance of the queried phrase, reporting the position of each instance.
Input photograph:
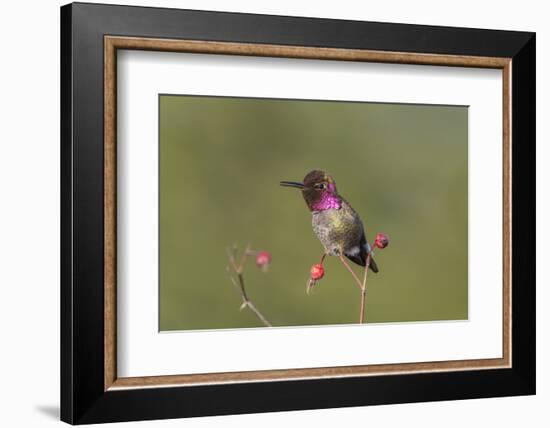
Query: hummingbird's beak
(292, 184)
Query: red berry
(317, 271)
(263, 258)
(381, 240)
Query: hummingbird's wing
(360, 257)
(358, 254)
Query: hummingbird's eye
(320, 186)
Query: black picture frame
(83, 396)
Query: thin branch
(361, 284)
(364, 289)
(246, 302)
(249, 304)
(245, 255)
(231, 257)
(348, 267)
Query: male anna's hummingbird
(335, 222)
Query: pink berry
(381, 240)
(263, 259)
(317, 271)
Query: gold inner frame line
(112, 43)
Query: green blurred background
(404, 168)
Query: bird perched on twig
(334, 221)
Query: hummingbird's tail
(361, 260)
(361, 257)
(373, 266)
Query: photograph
(264, 211)
(291, 212)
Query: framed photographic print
(265, 213)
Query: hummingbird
(337, 225)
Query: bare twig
(348, 267)
(231, 256)
(361, 284)
(364, 288)
(238, 269)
